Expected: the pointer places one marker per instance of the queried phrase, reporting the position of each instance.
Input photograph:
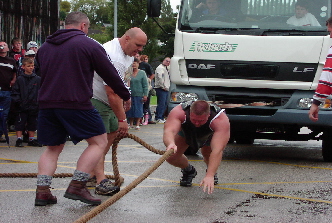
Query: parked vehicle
(260, 69)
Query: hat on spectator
(32, 44)
(30, 53)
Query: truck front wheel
(327, 146)
(244, 140)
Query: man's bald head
(133, 41)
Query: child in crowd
(32, 45)
(24, 94)
(16, 52)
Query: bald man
(110, 106)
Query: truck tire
(327, 146)
(191, 151)
(244, 140)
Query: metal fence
(28, 20)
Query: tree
(64, 9)
(168, 21)
(96, 10)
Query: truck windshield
(260, 16)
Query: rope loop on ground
(165, 154)
(118, 179)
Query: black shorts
(26, 120)
(54, 125)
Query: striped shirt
(324, 88)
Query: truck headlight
(183, 97)
(307, 102)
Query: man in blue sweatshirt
(67, 62)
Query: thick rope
(118, 179)
(88, 216)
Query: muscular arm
(221, 128)
(172, 127)
(116, 103)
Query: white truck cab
(258, 59)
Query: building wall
(28, 20)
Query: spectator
(8, 69)
(32, 51)
(139, 95)
(32, 45)
(17, 52)
(109, 105)
(25, 94)
(162, 84)
(145, 66)
(324, 87)
(67, 62)
(302, 16)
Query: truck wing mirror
(153, 8)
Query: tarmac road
(269, 181)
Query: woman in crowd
(139, 95)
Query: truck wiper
(293, 32)
(215, 29)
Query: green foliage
(131, 13)
(96, 10)
(65, 6)
(101, 38)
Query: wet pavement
(269, 181)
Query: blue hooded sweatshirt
(67, 62)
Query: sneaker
(19, 143)
(187, 177)
(215, 179)
(92, 182)
(160, 121)
(34, 143)
(137, 128)
(106, 187)
(2, 139)
(151, 122)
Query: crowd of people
(19, 90)
(94, 94)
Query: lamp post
(115, 18)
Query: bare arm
(172, 127)
(221, 128)
(116, 103)
(12, 82)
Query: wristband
(124, 120)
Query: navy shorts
(54, 125)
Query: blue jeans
(5, 100)
(162, 97)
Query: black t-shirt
(146, 67)
(7, 68)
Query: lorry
(256, 65)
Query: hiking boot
(187, 177)
(19, 143)
(44, 196)
(106, 187)
(77, 191)
(92, 182)
(34, 143)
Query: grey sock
(44, 180)
(80, 176)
